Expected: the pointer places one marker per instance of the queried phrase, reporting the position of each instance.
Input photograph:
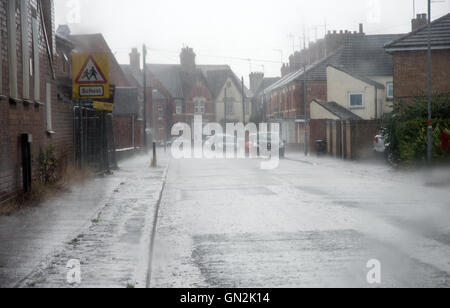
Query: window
(356, 100)
(25, 49)
(12, 49)
(199, 106)
(37, 83)
(229, 105)
(179, 108)
(390, 90)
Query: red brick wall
(20, 118)
(289, 105)
(410, 73)
(318, 131)
(123, 132)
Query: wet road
(306, 224)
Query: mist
(248, 35)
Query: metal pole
(430, 123)
(305, 97)
(144, 55)
(225, 107)
(243, 102)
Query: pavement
(105, 224)
(311, 222)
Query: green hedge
(405, 130)
(412, 140)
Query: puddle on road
(335, 258)
(196, 193)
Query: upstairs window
(229, 105)
(199, 106)
(179, 108)
(390, 90)
(356, 100)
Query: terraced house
(31, 116)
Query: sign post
(90, 76)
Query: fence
(93, 139)
(351, 140)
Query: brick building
(180, 91)
(358, 56)
(411, 62)
(28, 90)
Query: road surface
(309, 223)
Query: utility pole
(144, 55)
(430, 123)
(225, 107)
(243, 101)
(305, 97)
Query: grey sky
(228, 32)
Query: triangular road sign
(91, 73)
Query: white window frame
(350, 100)
(12, 48)
(199, 106)
(36, 64)
(229, 105)
(389, 84)
(179, 108)
(25, 49)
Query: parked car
(380, 147)
(229, 141)
(378, 144)
(264, 140)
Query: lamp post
(430, 123)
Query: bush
(406, 130)
(48, 165)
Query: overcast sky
(232, 31)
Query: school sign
(90, 76)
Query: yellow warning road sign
(103, 106)
(90, 75)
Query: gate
(93, 139)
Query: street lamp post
(430, 123)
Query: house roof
(92, 43)
(315, 71)
(133, 78)
(361, 55)
(170, 77)
(158, 96)
(338, 110)
(126, 101)
(267, 82)
(217, 78)
(418, 40)
(178, 83)
(361, 78)
(365, 55)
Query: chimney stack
(187, 59)
(419, 22)
(135, 60)
(361, 29)
(256, 79)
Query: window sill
(50, 132)
(28, 102)
(38, 104)
(357, 108)
(15, 101)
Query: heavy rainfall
(247, 144)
